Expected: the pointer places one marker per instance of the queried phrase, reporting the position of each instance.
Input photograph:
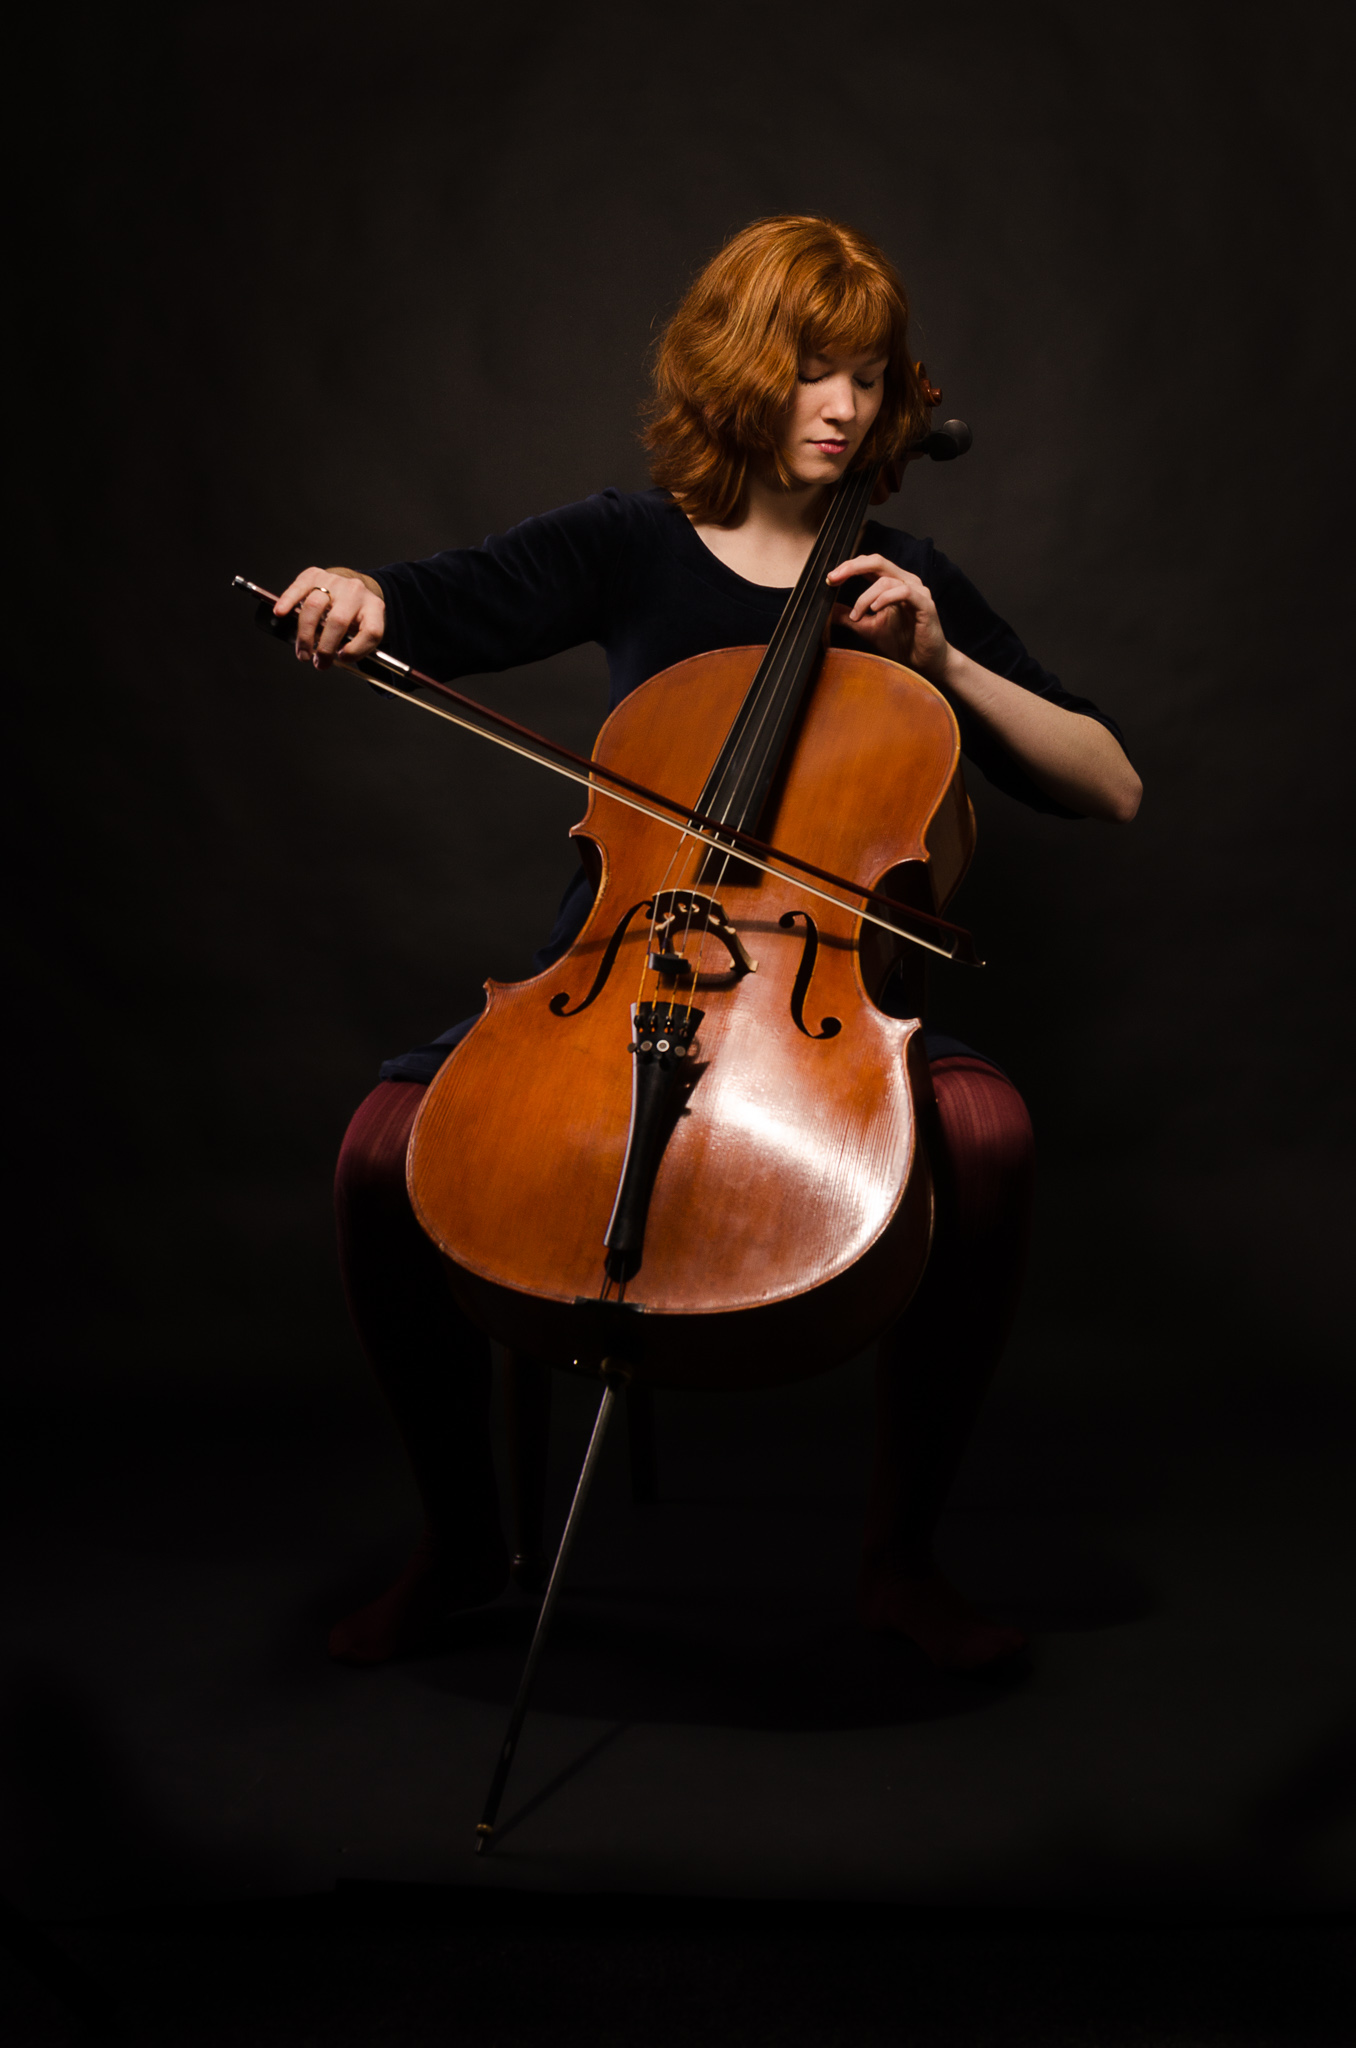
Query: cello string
(790, 643)
(784, 652)
(718, 795)
(654, 913)
(786, 641)
(808, 606)
(683, 837)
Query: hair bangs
(856, 319)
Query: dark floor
(414, 1967)
(710, 1721)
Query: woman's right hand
(337, 611)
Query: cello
(693, 1144)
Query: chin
(821, 469)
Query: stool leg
(642, 1444)
(527, 1388)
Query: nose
(840, 400)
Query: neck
(789, 515)
(771, 540)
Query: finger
(865, 566)
(337, 622)
(371, 631)
(875, 565)
(310, 616)
(360, 641)
(297, 589)
(862, 565)
(356, 626)
(363, 640)
(884, 591)
(866, 628)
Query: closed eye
(862, 383)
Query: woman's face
(831, 413)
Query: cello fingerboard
(738, 784)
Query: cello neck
(738, 784)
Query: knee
(370, 1170)
(991, 1151)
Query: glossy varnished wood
(791, 1215)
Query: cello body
(790, 1216)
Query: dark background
(349, 285)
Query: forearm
(1071, 757)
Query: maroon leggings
(934, 1364)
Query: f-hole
(829, 1027)
(559, 1004)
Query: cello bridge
(683, 913)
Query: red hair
(726, 367)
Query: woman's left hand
(894, 615)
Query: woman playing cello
(785, 367)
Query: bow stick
(952, 941)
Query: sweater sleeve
(543, 586)
(970, 624)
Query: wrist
(963, 678)
(945, 669)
